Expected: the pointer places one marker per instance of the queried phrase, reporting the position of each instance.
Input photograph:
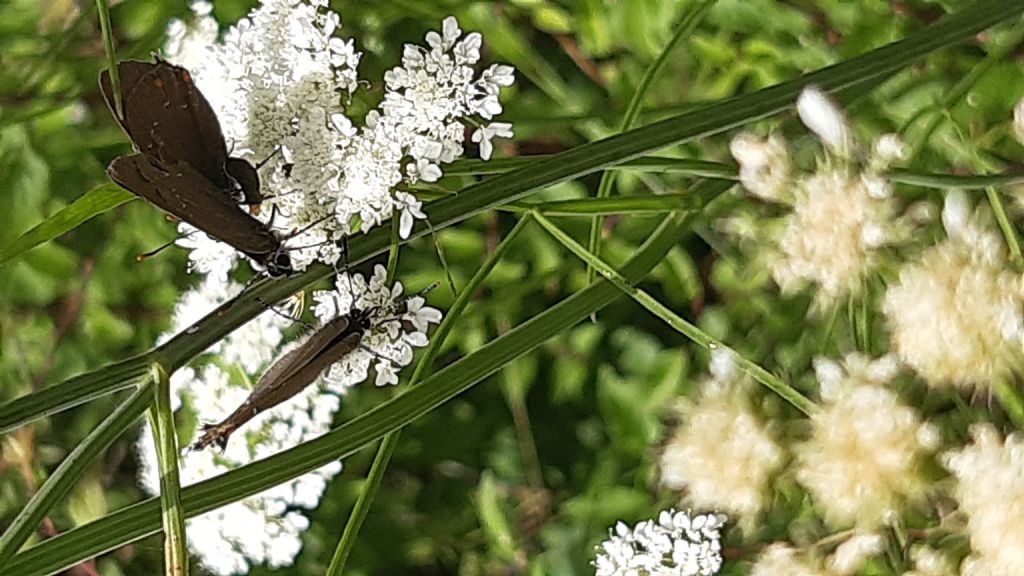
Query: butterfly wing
(181, 191)
(167, 117)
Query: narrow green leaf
(93, 203)
(59, 484)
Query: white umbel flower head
(722, 455)
(675, 545)
(955, 315)
(990, 490)
(281, 80)
(396, 326)
(861, 462)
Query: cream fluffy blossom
(830, 239)
(955, 315)
(722, 455)
(929, 562)
(990, 490)
(676, 545)
(1018, 120)
(781, 559)
(861, 461)
(842, 214)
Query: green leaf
(93, 203)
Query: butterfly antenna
(161, 248)
(277, 150)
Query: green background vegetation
(525, 472)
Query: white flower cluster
(842, 214)
(846, 560)
(395, 327)
(722, 421)
(990, 490)
(263, 528)
(866, 449)
(675, 545)
(956, 312)
(258, 529)
(277, 82)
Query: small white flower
(764, 166)
(484, 135)
(887, 150)
(206, 255)
(851, 555)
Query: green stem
(995, 201)
(604, 188)
(161, 417)
(108, 45)
(1009, 397)
(695, 334)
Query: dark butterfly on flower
(293, 372)
(181, 163)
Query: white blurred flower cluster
(957, 312)
(277, 82)
(849, 557)
(841, 215)
(866, 449)
(990, 490)
(675, 545)
(722, 455)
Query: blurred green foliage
(466, 492)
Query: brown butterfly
(181, 163)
